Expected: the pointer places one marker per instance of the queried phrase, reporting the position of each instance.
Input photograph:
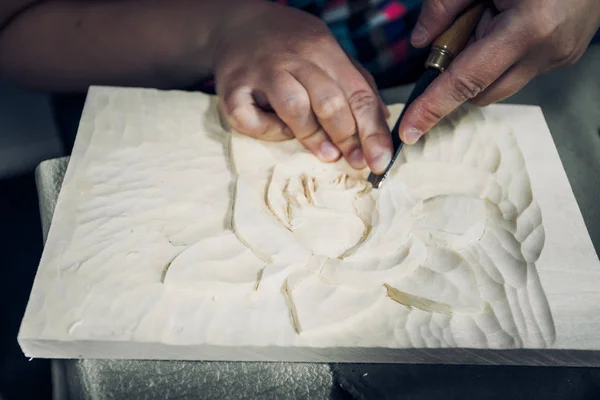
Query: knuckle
(429, 114)
(543, 25)
(343, 136)
(362, 101)
(295, 105)
(311, 137)
(330, 106)
(347, 143)
(465, 87)
(566, 54)
(323, 39)
(318, 38)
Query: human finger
(292, 103)
(485, 24)
(435, 17)
(508, 84)
(329, 105)
(245, 116)
(371, 81)
(373, 130)
(475, 69)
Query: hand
(512, 44)
(280, 74)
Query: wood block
(175, 239)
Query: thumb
(467, 76)
(436, 16)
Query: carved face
(324, 209)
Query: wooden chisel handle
(453, 41)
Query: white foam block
(175, 239)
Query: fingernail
(419, 35)
(357, 159)
(328, 152)
(381, 162)
(412, 135)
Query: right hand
(513, 43)
(281, 74)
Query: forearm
(69, 45)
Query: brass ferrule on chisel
(439, 59)
(450, 43)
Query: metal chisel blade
(424, 81)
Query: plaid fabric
(374, 32)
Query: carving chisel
(443, 51)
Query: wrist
(188, 50)
(229, 18)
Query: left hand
(280, 74)
(512, 44)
